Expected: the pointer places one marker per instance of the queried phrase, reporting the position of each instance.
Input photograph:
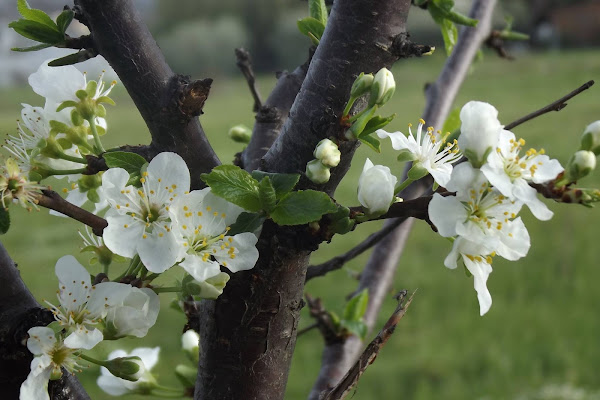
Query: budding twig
(52, 200)
(554, 106)
(245, 65)
(351, 378)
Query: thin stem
(403, 185)
(167, 289)
(245, 65)
(349, 106)
(357, 116)
(99, 147)
(92, 360)
(554, 106)
(66, 171)
(133, 264)
(75, 159)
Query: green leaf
(340, 221)
(452, 123)
(70, 59)
(377, 122)
(302, 207)
(4, 220)
(266, 194)
(64, 20)
(359, 328)
(37, 47)
(311, 25)
(318, 10)
(130, 162)
(37, 31)
(33, 14)
(282, 183)
(460, 19)
(361, 122)
(370, 141)
(234, 185)
(357, 306)
(247, 222)
(134, 179)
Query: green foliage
(282, 183)
(312, 28)
(234, 185)
(37, 25)
(130, 162)
(247, 222)
(302, 207)
(340, 222)
(356, 307)
(443, 14)
(318, 10)
(266, 194)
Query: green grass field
(540, 338)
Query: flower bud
(581, 164)
(361, 85)
(317, 172)
(240, 133)
(190, 343)
(383, 87)
(376, 187)
(328, 153)
(590, 140)
(210, 288)
(128, 368)
(479, 131)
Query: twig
(307, 329)
(323, 320)
(339, 261)
(555, 106)
(52, 200)
(368, 356)
(245, 65)
(496, 43)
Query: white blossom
(511, 173)
(116, 386)
(50, 355)
(139, 221)
(317, 172)
(327, 152)
(203, 221)
(480, 214)
(479, 131)
(426, 150)
(376, 187)
(479, 263)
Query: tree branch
(367, 358)
(53, 201)
(380, 269)
(554, 106)
(168, 103)
(18, 313)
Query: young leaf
(4, 220)
(247, 222)
(64, 20)
(377, 122)
(359, 328)
(302, 207)
(130, 162)
(70, 59)
(37, 47)
(370, 141)
(357, 306)
(318, 10)
(234, 185)
(33, 14)
(37, 31)
(311, 25)
(282, 183)
(266, 194)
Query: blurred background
(540, 340)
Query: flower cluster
(488, 192)
(165, 224)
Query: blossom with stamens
(480, 214)
(50, 355)
(15, 187)
(139, 221)
(426, 150)
(479, 263)
(203, 221)
(511, 173)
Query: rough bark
(378, 274)
(248, 334)
(18, 312)
(169, 103)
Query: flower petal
(35, 386)
(74, 282)
(57, 83)
(122, 234)
(159, 253)
(245, 254)
(82, 338)
(200, 270)
(445, 213)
